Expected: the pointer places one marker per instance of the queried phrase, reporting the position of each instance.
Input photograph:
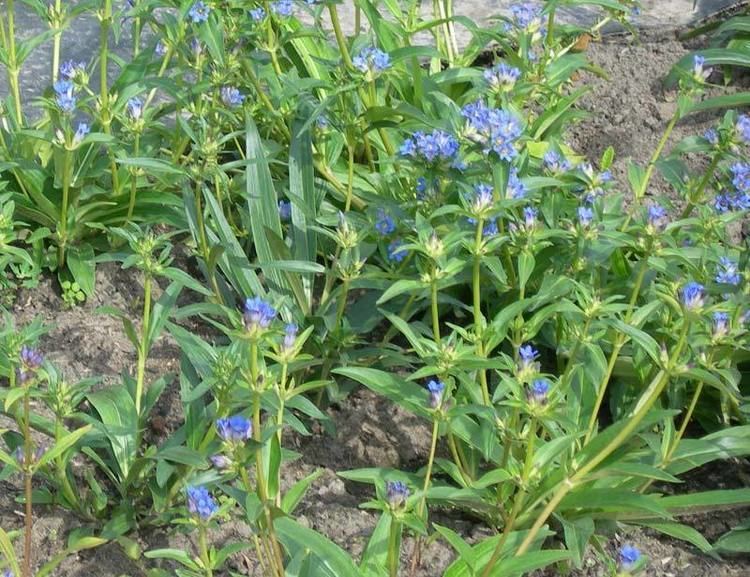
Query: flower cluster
(234, 430)
(81, 131)
(437, 147)
(502, 77)
(396, 493)
(436, 389)
(657, 218)
(538, 391)
(396, 251)
(231, 96)
(700, 72)
(199, 12)
(257, 14)
(585, 216)
(31, 360)
(742, 128)
(527, 361)
(285, 210)
(495, 129)
(134, 109)
(515, 189)
(693, 296)
(200, 503)
(72, 71)
(720, 324)
(554, 163)
(384, 223)
(526, 16)
(283, 8)
(628, 557)
(258, 315)
(290, 336)
(64, 96)
(739, 198)
(727, 272)
(372, 62)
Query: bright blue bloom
(7, 573)
(395, 251)
(529, 216)
(482, 201)
(201, 503)
(538, 391)
(433, 148)
(258, 313)
(436, 389)
(526, 15)
(31, 359)
(527, 356)
(372, 60)
(199, 12)
(657, 217)
(743, 128)
(290, 336)
(285, 210)
(257, 14)
(64, 97)
(712, 136)
(700, 73)
(494, 128)
(502, 77)
(421, 186)
(693, 295)
(516, 188)
(384, 224)
(397, 493)
(555, 163)
(490, 228)
(236, 429)
(727, 272)
(720, 323)
(81, 132)
(231, 96)
(585, 216)
(70, 69)
(134, 108)
(283, 8)
(741, 176)
(629, 556)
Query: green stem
(350, 179)
(456, 457)
(434, 309)
(62, 233)
(203, 549)
(394, 549)
(13, 70)
(428, 473)
(106, 22)
(341, 306)
(642, 408)
(616, 348)
(28, 455)
(340, 38)
(698, 198)
(144, 346)
(133, 180)
(477, 306)
(56, 42)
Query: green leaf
(62, 445)
(327, 558)
(678, 531)
(293, 496)
(154, 165)
(178, 555)
(181, 455)
(375, 555)
(644, 340)
(6, 547)
(611, 499)
(405, 393)
(83, 267)
(734, 542)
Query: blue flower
(31, 359)
(258, 314)
(720, 323)
(135, 108)
(585, 216)
(199, 12)
(743, 128)
(516, 188)
(494, 128)
(196, 46)
(160, 48)
(529, 217)
(231, 96)
(482, 201)
(490, 228)
(527, 356)
(257, 14)
(70, 69)
(81, 132)
(201, 503)
(657, 217)
(384, 224)
(64, 97)
(538, 391)
(526, 16)
(7, 573)
(220, 461)
(502, 77)
(741, 176)
(693, 296)
(285, 210)
(712, 136)
(283, 8)
(555, 163)
(434, 148)
(700, 73)
(629, 556)
(436, 389)
(727, 272)
(372, 61)
(396, 493)
(396, 251)
(236, 429)
(290, 336)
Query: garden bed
(629, 112)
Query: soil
(628, 112)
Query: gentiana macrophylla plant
(35, 389)
(558, 340)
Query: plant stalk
(28, 455)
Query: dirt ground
(628, 112)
